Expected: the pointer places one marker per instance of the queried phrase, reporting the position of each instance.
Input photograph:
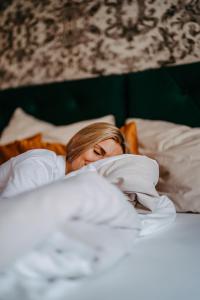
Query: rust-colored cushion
(130, 132)
(34, 142)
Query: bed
(165, 265)
(162, 267)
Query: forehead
(110, 147)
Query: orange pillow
(130, 132)
(25, 145)
(13, 149)
(34, 142)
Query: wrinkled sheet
(59, 233)
(162, 266)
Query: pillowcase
(133, 173)
(23, 125)
(34, 142)
(177, 151)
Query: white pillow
(23, 125)
(136, 176)
(133, 173)
(177, 150)
(62, 134)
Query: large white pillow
(133, 173)
(23, 125)
(177, 150)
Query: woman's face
(106, 148)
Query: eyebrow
(103, 152)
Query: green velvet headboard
(171, 94)
(67, 102)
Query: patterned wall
(54, 40)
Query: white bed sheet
(162, 267)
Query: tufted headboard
(67, 102)
(170, 93)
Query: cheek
(89, 155)
(76, 164)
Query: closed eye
(97, 153)
(98, 150)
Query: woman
(38, 167)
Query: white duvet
(57, 234)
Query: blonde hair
(91, 135)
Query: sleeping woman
(38, 167)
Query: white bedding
(68, 229)
(55, 235)
(165, 266)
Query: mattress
(164, 266)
